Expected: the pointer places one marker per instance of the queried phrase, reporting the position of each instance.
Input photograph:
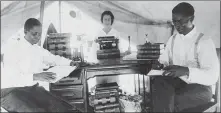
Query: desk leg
(151, 100)
(139, 83)
(144, 93)
(135, 86)
(86, 101)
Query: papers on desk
(3, 110)
(61, 71)
(132, 56)
(160, 73)
(155, 72)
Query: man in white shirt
(23, 67)
(191, 66)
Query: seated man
(24, 61)
(191, 66)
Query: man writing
(191, 66)
(24, 61)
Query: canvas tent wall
(132, 18)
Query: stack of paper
(132, 56)
(61, 72)
(155, 72)
(160, 73)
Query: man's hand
(176, 71)
(45, 76)
(73, 63)
(157, 66)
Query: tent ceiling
(141, 12)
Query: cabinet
(59, 44)
(71, 89)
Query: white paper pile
(61, 72)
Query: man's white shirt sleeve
(208, 72)
(14, 74)
(56, 60)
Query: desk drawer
(78, 103)
(75, 78)
(68, 81)
(68, 92)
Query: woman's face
(107, 20)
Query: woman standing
(107, 19)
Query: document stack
(150, 50)
(59, 44)
(107, 98)
(108, 47)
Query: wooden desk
(103, 68)
(114, 67)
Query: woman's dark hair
(184, 9)
(107, 13)
(30, 23)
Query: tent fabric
(132, 18)
(13, 21)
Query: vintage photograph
(110, 56)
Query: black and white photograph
(110, 56)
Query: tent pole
(60, 15)
(41, 17)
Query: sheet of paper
(61, 71)
(155, 72)
(3, 110)
(132, 56)
(160, 72)
(185, 79)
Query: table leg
(139, 83)
(135, 83)
(86, 102)
(151, 101)
(144, 93)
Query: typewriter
(108, 47)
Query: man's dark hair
(184, 9)
(107, 13)
(30, 23)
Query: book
(105, 95)
(107, 51)
(106, 106)
(157, 46)
(149, 52)
(147, 56)
(112, 85)
(106, 37)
